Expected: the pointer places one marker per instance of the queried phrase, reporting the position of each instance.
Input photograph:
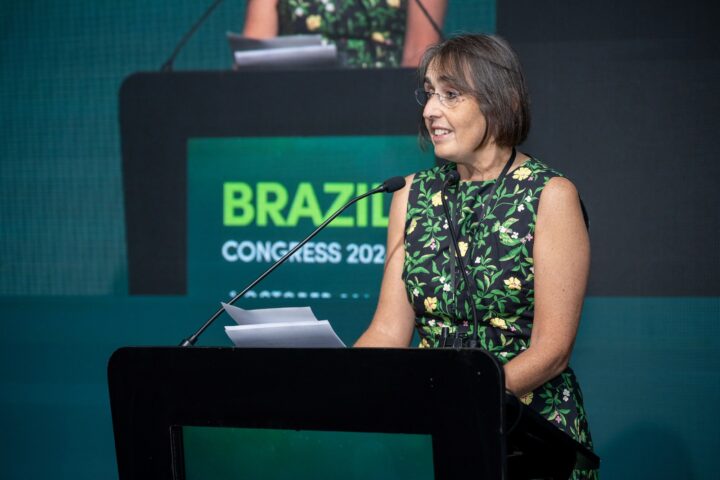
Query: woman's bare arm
(394, 319)
(261, 19)
(419, 32)
(562, 261)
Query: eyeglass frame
(422, 94)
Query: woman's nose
(432, 107)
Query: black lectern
(156, 391)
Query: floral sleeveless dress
(498, 253)
(367, 33)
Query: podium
(456, 396)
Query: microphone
(451, 179)
(168, 65)
(390, 185)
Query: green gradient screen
(252, 199)
(279, 454)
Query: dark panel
(570, 20)
(625, 101)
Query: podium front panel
(455, 396)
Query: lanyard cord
(481, 214)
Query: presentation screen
(251, 199)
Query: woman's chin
(447, 156)
(440, 152)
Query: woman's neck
(486, 165)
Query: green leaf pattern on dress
(497, 252)
(367, 33)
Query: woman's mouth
(439, 134)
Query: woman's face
(456, 132)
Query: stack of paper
(294, 327)
(297, 51)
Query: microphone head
(452, 177)
(392, 184)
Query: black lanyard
(481, 213)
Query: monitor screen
(251, 199)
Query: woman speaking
(513, 278)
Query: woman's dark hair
(486, 67)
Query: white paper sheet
(307, 334)
(306, 56)
(269, 315)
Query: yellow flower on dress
(430, 304)
(498, 322)
(521, 173)
(378, 37)
(513, 283)
(411, 228)
(463, 248)
(437, 199)
(313, 22)
(527, 398)
(424, 343)
(393, 3)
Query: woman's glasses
(448, 100)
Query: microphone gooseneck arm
(168, 65)
(390, 185)
(452, 178)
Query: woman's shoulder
(536, 171)
(535, 179)
(432, 174)
(426, 185)
(556, 194)
(431, 179)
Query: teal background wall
(648, 365)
